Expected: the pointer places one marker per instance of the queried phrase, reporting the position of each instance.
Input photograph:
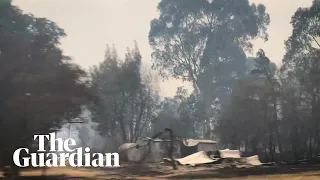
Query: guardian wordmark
(58, 155)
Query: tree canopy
(204, 42)
(262, 109)
(127, 96)
(40, 87)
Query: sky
(92, 24)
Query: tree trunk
(266, 153)
(271, 147)
(310, 147)
(277, 126)
(170, 150)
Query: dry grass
(73, 172)
(159, 172)
(300, 176)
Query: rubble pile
(226, 158)
(193, 153)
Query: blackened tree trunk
(170, 150)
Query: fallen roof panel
(195, 159)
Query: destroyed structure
(190, 152)
(157, 149)
(191, 146)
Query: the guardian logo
(74, 157)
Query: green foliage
(177, 114)
(301, 65)
(127, 99)
(40, 88)
(264, 66)
(276, 114)
(204, 42)
(190, 36)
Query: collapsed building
(226, 156)
(191, 146)
(154, 150)
(191, 152)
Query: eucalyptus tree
(204, 42)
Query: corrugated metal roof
(194, 142)
(205, 141)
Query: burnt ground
(157, 171)
(230, 173)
